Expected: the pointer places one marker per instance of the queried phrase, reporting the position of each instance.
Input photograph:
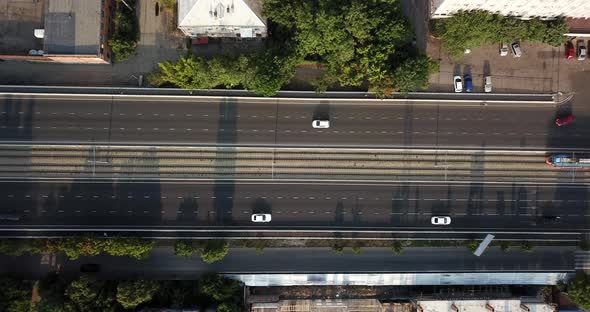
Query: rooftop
(72, 27)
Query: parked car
(320, 124)
(487, 84)
(458, 84)
(570, 52)
(468, 83)
(437, 220)
(516, 51)
(261, 217)
(503, 49)
(581, 50)
(564, 120)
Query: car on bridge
(440, 220)
(261, 217)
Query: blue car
(468, 83)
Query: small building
(71, 32)
(221, 18)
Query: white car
(487, 86)
(581, 50)
(504, 49)
(320, 124)
(440, 220)
(516, 51)
(261, 217)
(458, 83)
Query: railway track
(248, 163)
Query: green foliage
(52, 292)
(132, 247)
(526, 246)
(89, 294)
(578, 290)
(472, 245)
(15, 295)
(356, 41)
(19, 247)
(228, 307)
(219, 288)
(80, 246)
(413, 73)
(126, 33)
(585, 245)
(183, 248)
(122, 49)
(130, 294)
(214, 250)
(169, 4)
(337, 249)
(505, 246)
(397, 248)
(356, 250)
(472, 29)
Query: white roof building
(221, 18)
(525, 9)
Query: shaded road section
(163, 264)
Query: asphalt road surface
(393, 206)
(163, 264)
(241, 121)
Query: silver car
(487, 86)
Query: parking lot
(540, 69)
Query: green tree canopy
(87, 294)
(183, 248)
(214, 250)
(85, 245)
(132, 247)
(130, 294)
(15, 295)
(472, 29)
(219, 288)
(578, 289)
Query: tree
(397, 248)
(214, 250)
(130, 294)
(183, 248)
(132, 247)
(122, 49)
(578, 290)
(413, 73)
(227, 307)
(77, 246)
(52, 289)
(87, 294)
(19, 247)
(15, 295)
(219, 288)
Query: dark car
(90, 268)
(468, 83)
(550, 219)
(564, 120)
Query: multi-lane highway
(247, 121)
(355, 205)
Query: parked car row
(581, 50)
(467, 83)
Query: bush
(472, 29)
(214, 250)
(169, 4)
(397, 248)
(130, 294)
(337, 249)
(126, 32)
(505, 246)
(356, 250)
(526, 246)
(122, 49)
(15, 295)
(132, 247)
(183, 248)
(472, 245)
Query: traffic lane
(403, 205)
(127, 120)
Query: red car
(564, 121)
(570, 52)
